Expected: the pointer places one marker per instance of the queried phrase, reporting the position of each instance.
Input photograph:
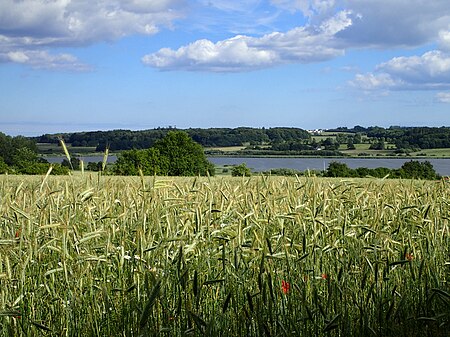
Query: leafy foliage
(281, 139)
(174, 155)
(126, 140)
(241, 171)
(19, 155)
(409, 170)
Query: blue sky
(79, 65)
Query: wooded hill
(214, 137)
(277, 139)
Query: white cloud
(372, 81)
(332, 26)
(41, 59)
(17, 56)
(234, 54)
(395, 23)
(380, 23)
(27, 27)
(84, 21)
(361, 24)
(443, 97)
(444, 40)
(429, 71)
(244, 53)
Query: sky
(85, 65)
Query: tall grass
(262, 256)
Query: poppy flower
(409, 257)
(324, 276)
(285, 286)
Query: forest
(267, 141)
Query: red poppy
(285, 286)
(409, 257)
(324, 277)
(18, 233)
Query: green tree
(3, 166)
(350, 145)
(418, 170)
(133, 161)
(336, 169)
(174, 155)
(357, 139)
(93, 166)
(241, 170)
(75, 163)
(24, 157)
(380, 145)
(179, 155)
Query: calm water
(442, 166)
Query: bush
(241, 170)
(284, 172)
(174, 155)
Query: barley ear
(66, 152)
(105, 158)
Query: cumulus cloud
(444, 40)
(83, 21)
(380, 23)
(41, 59)
(242, 53)
(333, 26)
(27, 27)
(388, 23)
(429, 71)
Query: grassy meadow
(261, 256)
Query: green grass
(433, 153)
(127, 256)
(55, 149)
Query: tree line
(175, 154)
(283, 140)
(409, 138)
(19, 155)
(118, 140)
(410, 170)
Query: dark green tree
(179, 155)
(3, 166)
(336, 169)
(133, 162)
(241, 170)
(93, 166)
(418, 170)
(174, 155)
(74, 164)
(350, 145)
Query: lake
(442, 166)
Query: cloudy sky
(73, 65)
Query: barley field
(261, 256)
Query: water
(442, 166)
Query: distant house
(315, 131)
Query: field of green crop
(261, 256)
